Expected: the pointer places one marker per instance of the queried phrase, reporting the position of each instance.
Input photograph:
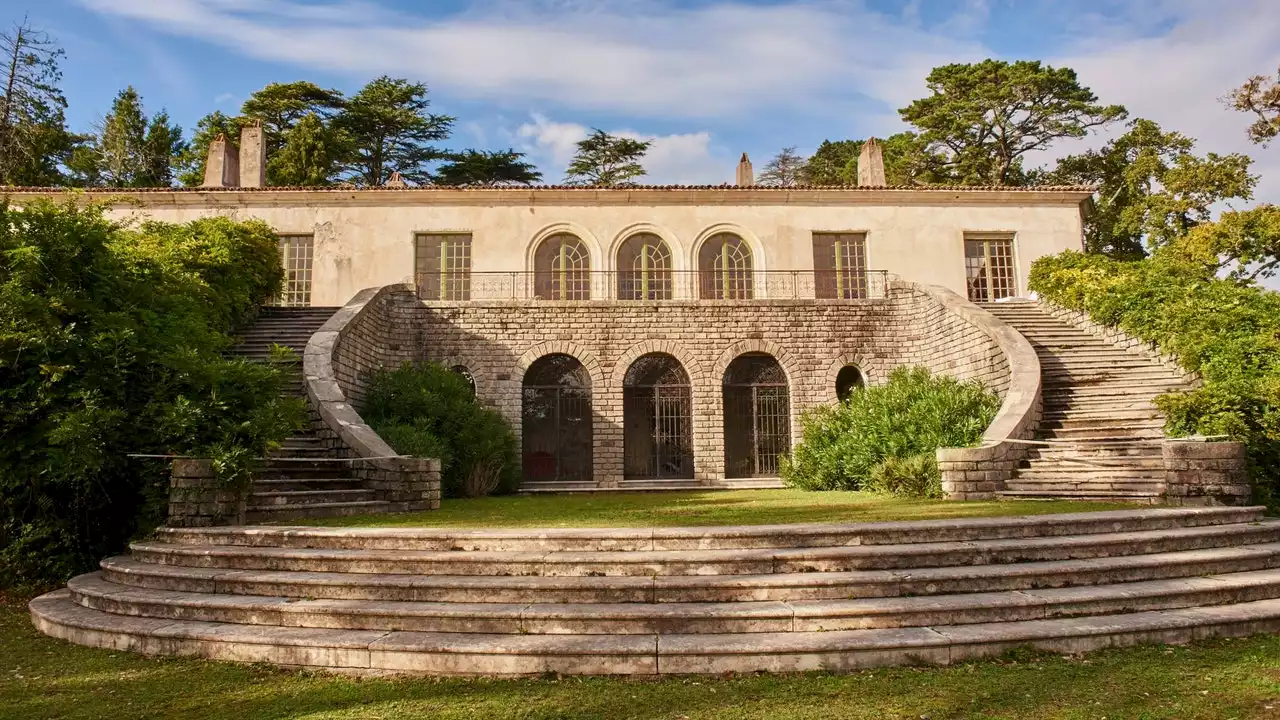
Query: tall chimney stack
(746, 176)
(871, 165)
(253, 156)
(222, 167)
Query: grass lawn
(738, 507)
(45, 678)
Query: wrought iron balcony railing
(652, 285)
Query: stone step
(57, 615)
(281, 513)
(1103, 414)
(1133, 486)
(276, 486)
(707, 562)
(94, 592)
(281, 469)
(1114, 390)
(1101, 433)
(311, 496)
(1073, 422)
(1050, 472)
(714, 537)
(1083, 495)
(751, 483)
(131, 572)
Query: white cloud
(685, 159)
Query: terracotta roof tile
(535, 188)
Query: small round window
(848, 380)
(466, 375)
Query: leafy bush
(110, 342)
(428, 410)
(916, 476)
(913, 413)
(1227, 330)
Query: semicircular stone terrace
(679, 600)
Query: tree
(607, 161)
(34, 142)
(835, 162)
(1259, 95)
(192, 159)
(906, 162)
(985, 117)
(310, 156)
(487, 169)
(128, 150)
(1245, 243)
(786, 169)
(281, 106)
(389, 130)
(1151, 187)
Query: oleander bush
(110, 345)
(1222, 326)
(428, 410)
(874, 440)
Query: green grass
(740, 507)
(45, 678)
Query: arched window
(556, 420)
(847, 380)
(658, 419)
(562, 268)
(724, 268)
(466, 375)
(644, 268)
(757, 416)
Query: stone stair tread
(476, 653)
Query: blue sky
(706, 80)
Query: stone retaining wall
(359, 338)
(1205, 473)
(196, 499)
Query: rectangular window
(840, 265)
(295, 257)
(442, 264)
(988, 266)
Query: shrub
(916, 476)
(428, 410)
(110, 342)
(1226, 330)
(914, 413)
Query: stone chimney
(222, 168)
(253, 156)
(871, 165)
(746, 177)
(396, 181)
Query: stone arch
(475, 368)
(760, 345)
(758, 259)
(679, 257)
(592, 243)
(564, 347)
(669, 347)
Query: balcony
(653, 285)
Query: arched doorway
(725, 268)
(757, 416)
(562, 268)
(658, 419)
(644, 268)
(556, 434)
(847, 380)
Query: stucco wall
(365, 238)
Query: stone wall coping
(326, 394)
(1021, 406)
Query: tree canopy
(607, 160)
(388, 129)
(1152, 187)
(34, 141)
(983, 118)
(1259, 95)
(482, 168)
(786, 169)
(129, 149)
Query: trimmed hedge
(110, 344)
(876, 438)
(1227, 331)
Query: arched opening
(725, 268)
(757, 416)
(848, 380)
(658, 419)
(562, 268)
(644, 268)
(462, 371)
(556, 420)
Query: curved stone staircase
(679, 600)
(302, 479)
(1098, 407)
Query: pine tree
(388, 129)
(34, 142)
(607, 161)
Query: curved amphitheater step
(1098, 403)
(679, 600)
(304, 479)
